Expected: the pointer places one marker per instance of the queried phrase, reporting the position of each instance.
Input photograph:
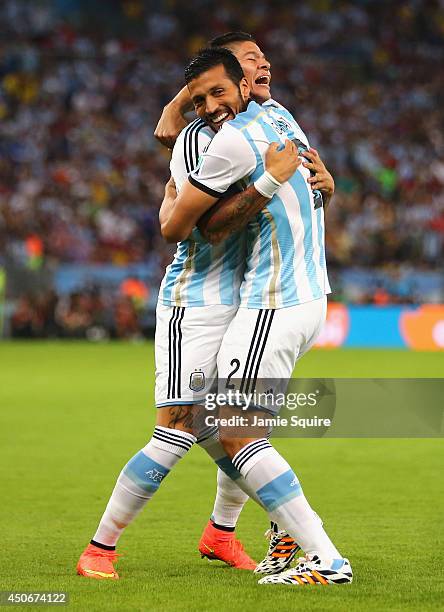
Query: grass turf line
(72, 415)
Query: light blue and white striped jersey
(201, 274)
(285, 241)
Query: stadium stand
(81, 175)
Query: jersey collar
(271, 102)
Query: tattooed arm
(232, 213)
(195, 199)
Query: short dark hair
(209, 58)
(230, 37)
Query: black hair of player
(229, 38)
(210, 58)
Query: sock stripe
(240, 464)
(145, 471)
(177, 433)
(172, 442)
(100, 545)
(162, 436)
(246, 450)
(249, 451)
(181, 442)
(222, 527)
(279, 490)
(250, 446)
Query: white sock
(276, 485)
(231, 495)
(230, 500)
(140, 479)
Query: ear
(244, 89)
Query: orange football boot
(97, 563)
(224, 546)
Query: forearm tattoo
(231, 215)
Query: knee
(232, 445)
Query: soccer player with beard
(193, 277)
(197, 301)
(257, 70)
(283, 292)
(194, 137)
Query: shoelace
(306, 563)
(275, 537)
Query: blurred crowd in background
(86, 314)
(83, 83)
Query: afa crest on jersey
(197, 380)
(281, 125)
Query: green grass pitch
(73, 414)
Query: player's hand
(283, 163)
(322, 179)
(169, 126)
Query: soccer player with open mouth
(174, 440)
(194, 137)
(283, 293)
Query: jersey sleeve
(187, 150)
(228, 158)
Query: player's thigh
(314, 315)
(182, 418)
(250, 348)
(265, 344)
(187, 342)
